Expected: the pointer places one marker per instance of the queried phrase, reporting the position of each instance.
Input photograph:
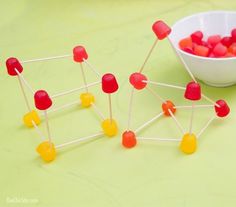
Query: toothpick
(155, 94)
(38, 130)
(183, 62)
(92, 68)
(191, 119)
(47, 126)
(164, 84)
(75, 90)
(196, 106)
(24, 95)
(84, 78)
(148, 122)
(148, 56)
(130, 107)
(110, 108)
(64, 106)
(45, 59)
(76, 141)
(96, 109)
(189, 71)
(210, 100)
(176, 121)
(158, 139)
(24, 81)
(205, 127)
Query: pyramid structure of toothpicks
(138, 80)
(44, 102)
(192, 92)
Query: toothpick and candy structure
(192, 92)
(44, 102)
(138, 80)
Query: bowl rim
(197, 14)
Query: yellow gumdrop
(109, 127)
(87, 99)
(31, 116)
(188, 144)
(47, 151)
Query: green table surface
(117, 36)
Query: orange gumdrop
(168, 105)
(201, 50)
(232, 49)
(186, 43)
(129, 139)
(228, 54)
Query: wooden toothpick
(210, 100)
(130, 108)
(148, 122)
(158, 139)
(76, 141)
(177, 122)
(75, 90)
(38, 130)
(148, 55)
(164, 84)
(110, 107)
(24, 95)
(47, 126)
(155, 94)
(183, 62)
(84, 78)
(96, 109)
(191, 119)
(92, 68)
(195, 106)
(23, 80)
(63, 107)
(205, 126)
(45, 59)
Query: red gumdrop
(161, 29)
(211, 55)
(193, 91)
(226, 41)
(204, 43)
(12, 64)
(222, 109)
(42, 100)
(233, 34)
(136, 79)
(80, 54)
(197, 37)
(188, 50)
(109, 83)
(129, 139)
(219, 50)
(213, 40)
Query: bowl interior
(210, 23)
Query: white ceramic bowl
(218, 72)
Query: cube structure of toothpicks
(44, 102)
